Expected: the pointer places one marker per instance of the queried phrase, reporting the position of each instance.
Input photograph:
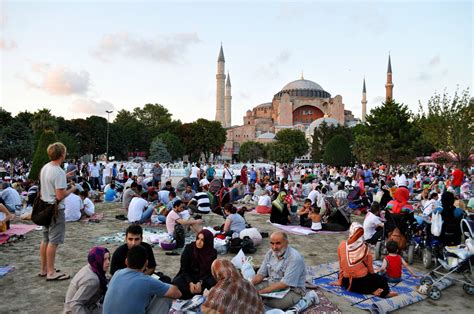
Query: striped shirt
(204, 205)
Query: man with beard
(282, 268)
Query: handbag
(43, 213)
(179, 235)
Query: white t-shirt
(52, 177)
(228, 174)
(265, 200)
(135, 209)
(371, 222)
(401, 180)
(95, 171)
(89, 207)
(194, 172)
(313, 196)
(73, 208)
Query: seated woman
(451, 229)
(264, 203)
(195, 272)
(398, 212)
(356, 266)
(231, 294)
(234, 222)
(89, 285)
(280, 213)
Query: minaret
(364, 102)
(228, 102)
(389, 84)
(220, 85)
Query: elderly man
(283, 268)
(11, 197)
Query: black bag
(235, 245)
(179, 235)
(247, 245)
(43, 213)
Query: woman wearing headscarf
(195, 272)
(232, 293)
(398, 212)
(280, 213)
(88, 287)
(452, 215)
(356, 271)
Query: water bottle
(18, 209)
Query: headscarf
(356, 248)
(205, 255)
(279, 201)
(96, 262)
(447, 201)
(232, 293)
(400, 203)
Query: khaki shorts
(55, 232)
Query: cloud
(58, 80)
(90, 106)
(164, 49)
(431, 69)
(271, 69)
(435, 60)
(7, 44)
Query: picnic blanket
(5, 270)
(322, 275)
(298, 230)
(324, 306)
(150, 236)
(96, 217)
(15, 230)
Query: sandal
(174, 253)
(59, 277)
(44, 275)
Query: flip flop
(59, 277)
(44, 275)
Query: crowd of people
(316, 197)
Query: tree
(202, 137)
(43, 120)
(16, 141)
(388, 135)
(448, 124)
(280, 152)
(323, 134)
(173, 145)
(158, 151)
(41, 156)
(295, 139)
(251, 151)
(338, 152)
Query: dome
(302, 84)
(264, 105)
(317, 123)
(267, 136)
(303, 88)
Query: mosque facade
(301, 104)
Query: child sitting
(373, 225)
(392, 264)
(315, 218)
(304, 212)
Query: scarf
(356, 249)
(203, 257)
(279, 201)
(400, 202)
(447, 201)
(232, 294)
(96, 262)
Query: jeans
(227, 182)
(195, 183)
(147, 214)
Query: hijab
(96, 263)
(447, 201)
(279, 201)
(356, 248)
(205, 255)
(232, 294)
(400, 202)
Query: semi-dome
(267, 136)
(317, 123)
(304, 88)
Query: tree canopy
(251, 151)
(41, 156)
(158, 151)
(338, 152)
(295, 139)
(323, 134)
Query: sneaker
(311, 297)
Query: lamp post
(107, 146)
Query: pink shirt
(171, 221)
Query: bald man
(283, 267)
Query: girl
(392, 264)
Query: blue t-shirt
(110, 195)
(130, 291)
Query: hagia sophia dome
(304, 88)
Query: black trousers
(368, 284)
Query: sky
(80, 58)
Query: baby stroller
(458, 259)
(427, 246)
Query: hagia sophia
(302, 104)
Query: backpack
(179, 235)
(397, 236)
(246, 244)
(43, 213)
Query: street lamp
(107, 147)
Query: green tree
(388, 135)
(448, 124)
(5, 117)
(43, 120)
(251, 151)
(338, 152)
(280, 152)
(41, 156)
(173, 145)
(71, 142)
(16, 141)
(323, 134)
(158, 151)
(203, 137)
(295, 139)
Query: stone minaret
(389, 84)
(220, 86)
(364, 102)
(228, 102)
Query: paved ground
(23, 291)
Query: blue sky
(79, 58)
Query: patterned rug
(5, 270)
(298, 230)
(324, 274)
(324, 306)
(15, 230)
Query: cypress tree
(41, 156)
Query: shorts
(55, 232)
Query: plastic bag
(247, 269)
(238, 259)
(436, 224)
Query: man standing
(282, 268)
(141, 170)
(194, 176)
(94, 174)
(53, 189)
(131, 291)
(157, 171)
